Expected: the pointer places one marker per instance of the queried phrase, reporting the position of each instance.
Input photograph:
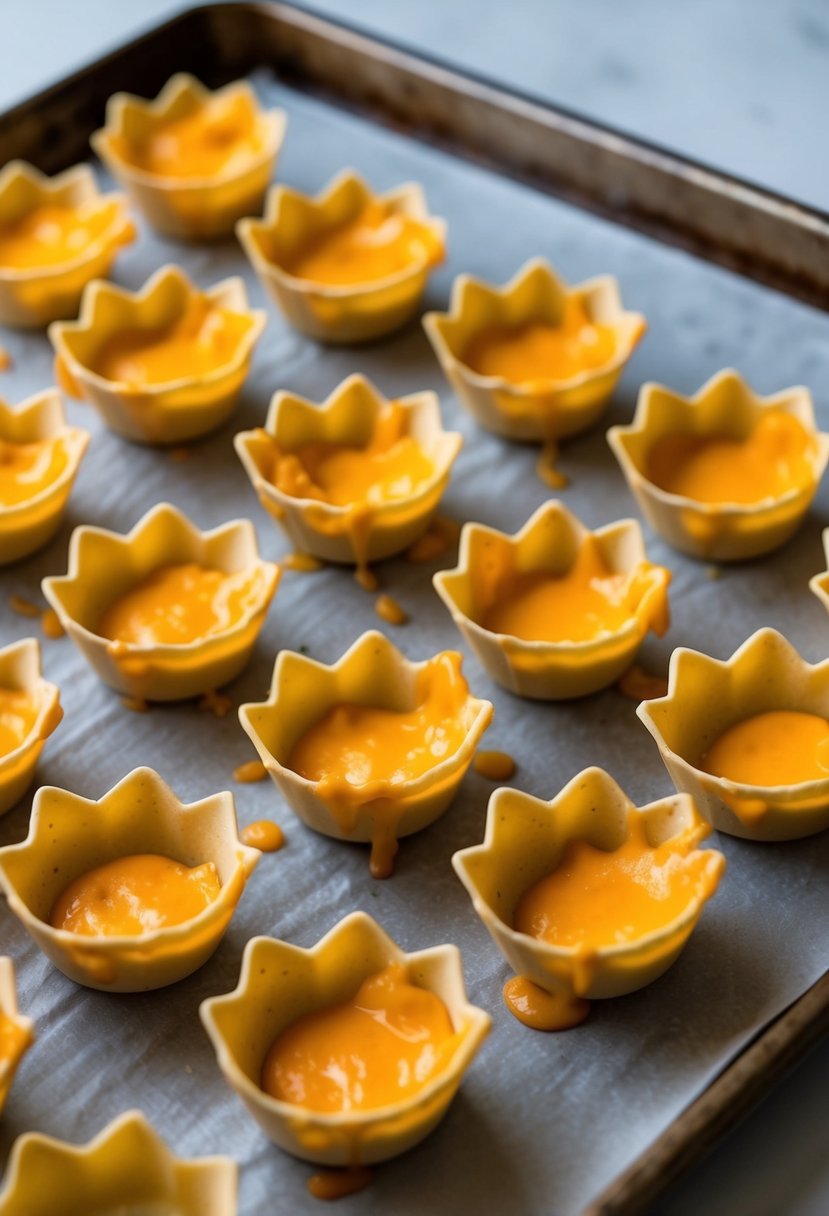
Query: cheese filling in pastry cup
(16, 1032)
(20, 672)
(279, 983)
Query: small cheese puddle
(51, 235)
(202, 340)
(380, 1047)
(18, 714)
(777, 457)
(26, 469)
(596, 899)
(176, 605)
(133, 895)
(375, 244)
(577, 606)
(782, 747)
(219, 136)
(537, 351)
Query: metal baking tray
(603, 1118)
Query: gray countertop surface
(740, 85)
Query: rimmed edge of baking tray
(719, 218)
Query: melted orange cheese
(218, 137)
(537, 351)
(134, 895)
(51, 235)
(594, 899)
(382, 1046)
(777, 457)
(585, 601)
(176, 605)
(26, 469)
(204, 339)
(18, 714)
(782, 747)
(374, 245)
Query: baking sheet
(542, 1123)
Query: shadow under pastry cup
(724, 408)
(104, 566)
(198, 206)
(360, 532)
(706, 697)
(525, 841)
(33, 295)
(372, 674)
(20, 672)
(127, 1167)
(69, 836)
(550, 543)
(280, 983)
(349, 312)
(28, 525)
(544, 408)
(162, 412)
(16, 1032)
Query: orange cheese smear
(219, 136)
(175, 605)
(202, 340)
(595, 899)
(585, 601)
(27, 469)
(18, 714)
(777, 457)
(133, 895)
(377, 243)
(782, 747)
(51, 235)
(538, 351)
(382, 1046)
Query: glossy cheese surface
(27, 469)
(18, 714)
(222, 134)
(50, 235)
(782, 747)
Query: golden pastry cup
(705, 697)
(725, 405)
(170, 413)
(10, 1062)
(341, 314)
(126, 1163)
(280, 983)
(105, 565)
(525, 840)
(543, 409)
(20, 671)
(372, 673)
(550, 541)
(348, 417)
(28, 526)
(819, 583)
(70, 835)
(193, 208)
(31, 297)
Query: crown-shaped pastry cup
(724, 406)
(372, 673)
(707, 696)
(337, 313)
(525, 840)
(104, 565)
(20, 671)
(819, 583)
(360, 533)
(19, 1031)
(126, 1164)
(70, 835)
(169, 413)
(33, 296)
(279, 983)
(550, 541)
(543, 409)
(195, 208)
(29, 525)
